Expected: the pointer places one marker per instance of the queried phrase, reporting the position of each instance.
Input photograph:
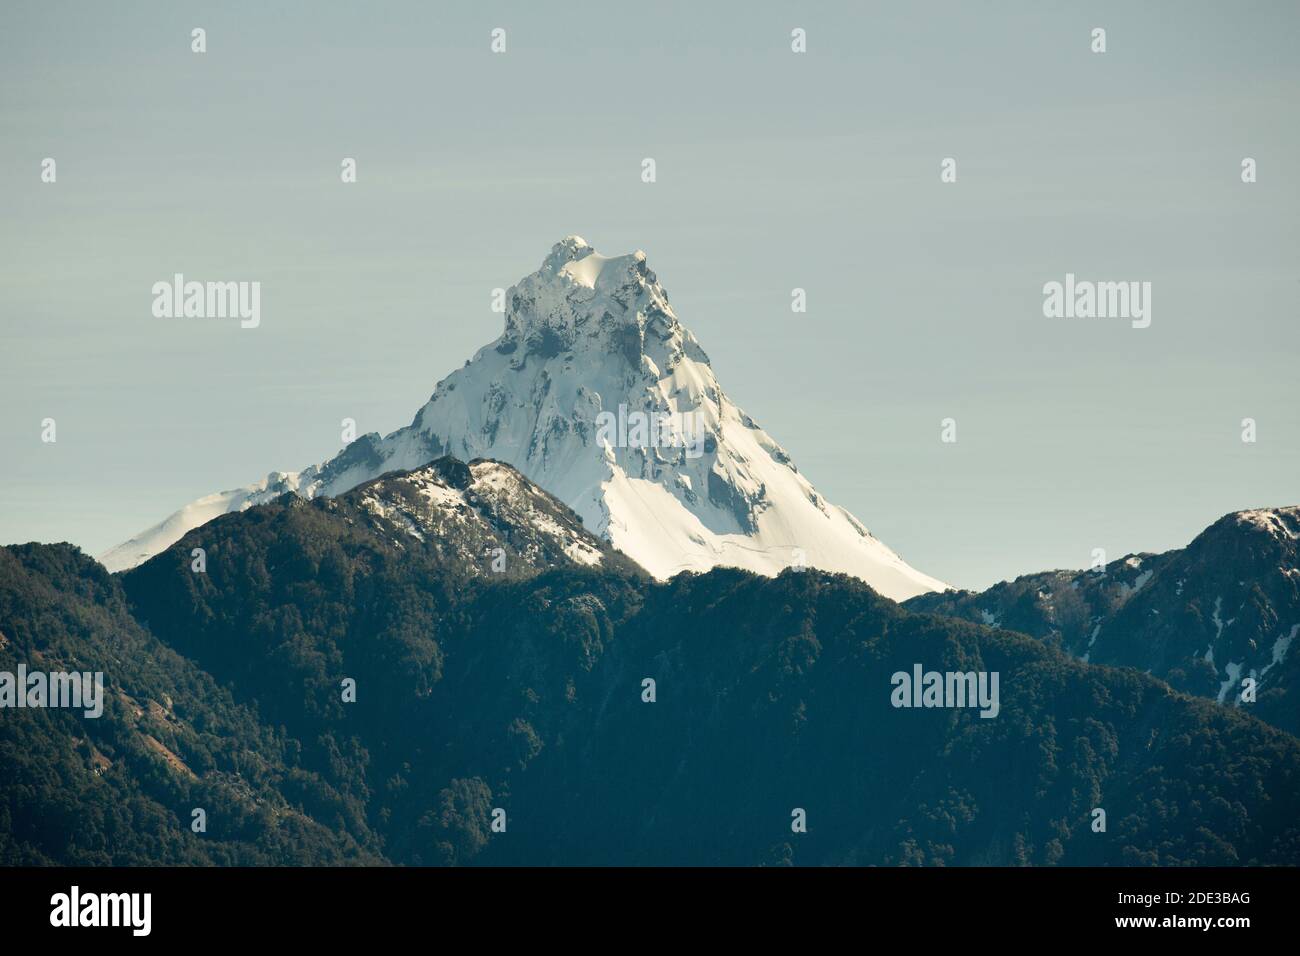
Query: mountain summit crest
(589, 340)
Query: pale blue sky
(775, 170)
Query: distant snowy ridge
(1207, 618)
(584, 334)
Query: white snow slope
(585, 334)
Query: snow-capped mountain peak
(596, 392)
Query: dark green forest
(525, 693)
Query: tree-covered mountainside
(120, 789)
(528, 694)
(774, 695)
(1205, 618)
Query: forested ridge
(526, 693)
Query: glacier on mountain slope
(585, 334)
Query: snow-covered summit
(597, 393)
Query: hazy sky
(775, 171)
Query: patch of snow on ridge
(1233, 670)
(1219, 623)
(1092, 639)
(1279, 522)
(1280, 647)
